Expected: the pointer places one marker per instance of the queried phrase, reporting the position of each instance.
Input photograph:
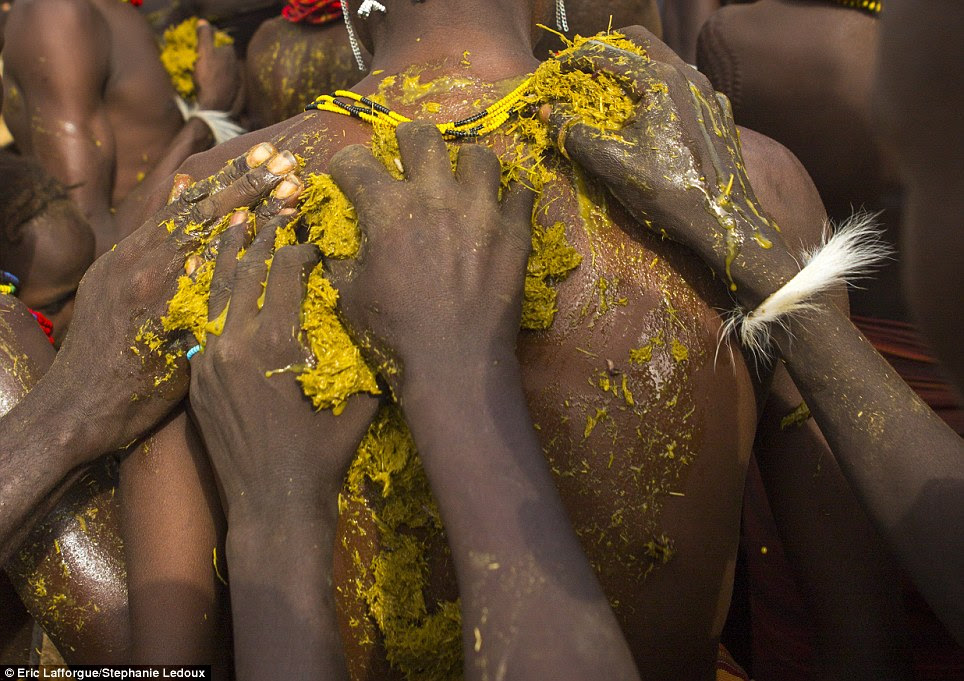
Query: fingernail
(287, 211)
(260, 154)
(544, 112)
(287, 188)
(202, 22)
(283, 163)
(239, 217)
(192, 263)
(181, 182)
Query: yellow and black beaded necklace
(486, 121)
(872, 7)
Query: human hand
(678, 166)
(271, 451)
(438, 282)
(129, 384)
(217, 73)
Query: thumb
(205, 40)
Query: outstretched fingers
(255, 157)
(572, 137)
(251, 273)
(629, 68)
(181, 183)
(285, 195)
(517, 204)
(205, 39)
(248, 188)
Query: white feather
(853, 251)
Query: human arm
(531, 604)
(67, 426)
(279, 463)
(217, 78)
(847, 576)
(872, 420)
(59, 57)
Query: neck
(496, 36)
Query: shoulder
(43, 19)
(785, 189)
(58, 28)
(23, 339)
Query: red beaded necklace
(8, 285)
(312, 11)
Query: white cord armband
(219, 122)
(853, 251)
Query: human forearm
(875, 423)
(282, 598)
(524, 580)
(40, 451)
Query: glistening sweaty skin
(619, 387)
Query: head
(44, 239)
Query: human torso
(646, 428)
(137, 98)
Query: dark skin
(589, 18)
(280, 502)
(532, 607)
(802, 73)
(927, 156)
(91, 422)
(98, 110)
(49, 257)
(870, 417)
(82, 566)
(174, 597)
(682, 21)
(292, 605)
(288, 65)
(699, 528)
(240, 18)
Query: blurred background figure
(803, 73)
(294, 57)
(87, 97)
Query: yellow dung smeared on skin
(179, 54)
(552, 258)
(386, 482)
(422, 641)
(188, 309)
(330, 217)
(339, 370)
